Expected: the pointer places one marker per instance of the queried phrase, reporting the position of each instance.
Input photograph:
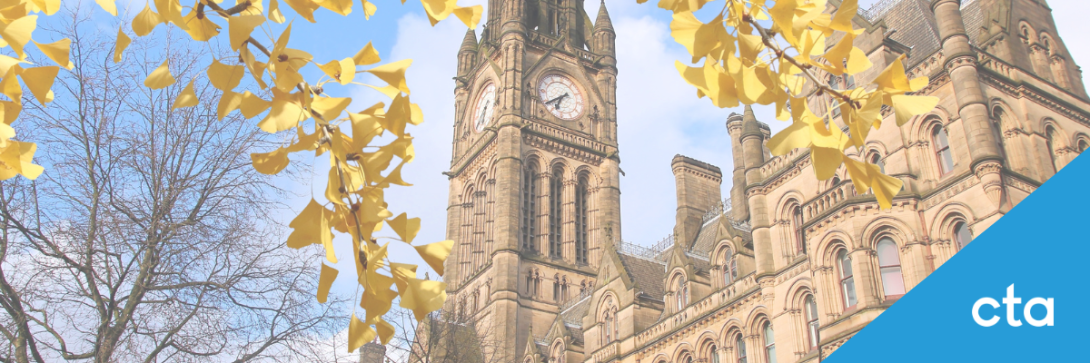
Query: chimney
(697, 192)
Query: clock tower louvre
(534, 197)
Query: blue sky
(658, 117)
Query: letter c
(976, 312)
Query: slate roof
(648, 275)
(706, 237)
(916, 27)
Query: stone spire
(470, 41)
(750, 126)
(603, 22)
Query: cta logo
(1010, 301)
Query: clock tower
(534, 194)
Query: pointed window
(847, 281)
(943, 154)
(770, 343)
(889, 264)
(556, 190)
(682, 293)
(728, 267)
(581, 221)
(962, 236)
(810, 308)
(1050, 142)
(800, 238)
(529, 208)
(876, 159)
(740, 348)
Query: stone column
(961, 63)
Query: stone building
(786, 269)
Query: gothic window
(1050, 142)
(997, 132)
(727, 266)
(770, 343)
(796, 224)
(558, 353)
(943, 154)
(529, 208)
(556, 288)
(1083, 145)
(740, 348)
(847, 282)
(889, 264)
(556, 190)
(810, 308)
(876, 159)
(530, 284)
(710, 355)
(681, 293)
(581, 221)
(687, 358)
(608, 321)
(962, 236)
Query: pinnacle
(603, 21)
(470, 40)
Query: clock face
(561, 96)
(486, 103)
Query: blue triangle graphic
(1041, 247)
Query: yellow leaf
(272, 162)
(229, 102)
(858, 61)
(252, 105)
(749, 46)
(435, 253)
(402, 272)
(9, 86)
(18, 32)
(200, 29)
(11, 111)
(225, 77)
(423, 296)
(58, 52)
(342, 71)
(438, 10)
(393, 74)
(188, 97)
(39, 80)
(389, 91)
(160, 77)
(325, 281)
(783, 14)
(700, 38)
(385, 331)
(859, 174)
(358, 333)
(343, 7)
(122, 43)
(109, 5)
(329, 108)
(469, 15)
(399, 114)
(145, 21)
(885, 187)
(793, 137)
(16, 158)
(892, 80)
(240, 28)
(367, 55)
(286, 112)
(405, 227)
(837, 55)
(257, 69)
(307, 226)
(304, 8)
(274, 12)
(369, 9)
(826, 161)
(842, 21)
(170, 11)
(904, 107)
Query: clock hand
(480, 120)
(557, 100)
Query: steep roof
(603, 21)
(646, 274)
(916, 27)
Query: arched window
(770, 343)
(581, 221)
(810, 308)
(687, 358)
(1083, 145)
(800, 238)
(997, 132)
(1050, 142)
(682, 293)
(556, 221)
(943, 154)
(529, 207)
(740, 349)
(557, 354)
(876, 159)
(962, 236)
(556, 288)
(847, 282)
(709, 354)
(728, 266)
(889, 264)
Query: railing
(557, 133)
(878, 10)
(829, 200)
(606, 353)
(651, 253)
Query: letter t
(1011, 301)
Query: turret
(467, 53)
(739, 207)
(604, 38)
(753, 137)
